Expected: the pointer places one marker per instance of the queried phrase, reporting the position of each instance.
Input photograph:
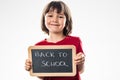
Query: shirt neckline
(57, 41)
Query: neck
(55, 37)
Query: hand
(28, 64)
(80, 58)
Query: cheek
(64, 22)
(46, 21)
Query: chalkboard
(52, 60)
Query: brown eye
(61, 17)
(49, 15)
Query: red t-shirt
(68, 40)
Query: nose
(55, 19)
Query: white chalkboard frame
(42, 74)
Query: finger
(27, 68)
(80, 54)
(78, 57)
(83, 60)
(80, 61)
(28, 62)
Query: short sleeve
(79, 47)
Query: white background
(96, 22)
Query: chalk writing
(52, 54)
(44, 54)
(56, 63)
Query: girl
(57, 23)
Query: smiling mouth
(55, 24)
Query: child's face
(55, 22)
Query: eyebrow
(61, 13)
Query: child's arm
(81, 68)
(79, 60)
